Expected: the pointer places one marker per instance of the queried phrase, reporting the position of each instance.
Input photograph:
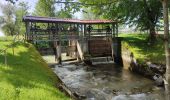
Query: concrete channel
(106, 82)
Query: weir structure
(80, 39)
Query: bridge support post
(59, 58)
(116, 50)
(27, 34)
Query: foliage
(88, 14)
(144, 14)
(137, 43)
(27, 76)
(22, 10)
(45, 8)
(12, 1)
(43, 44)
(63, 14)
(11, 21)
(9, 29)
(7, 21)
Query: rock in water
(158, 79)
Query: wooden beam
(27, 25)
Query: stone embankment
(148, 69)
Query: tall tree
(145, 14)
(22, 10)
(166, 36)
(63, 14)
(88, 14)
(45, 8)
(7, 20)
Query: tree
(145, 14)
(12, 1)
(166, 37)
(45, 8)
(7, 20)
(63, 14)
(88, 14)
(22, 10)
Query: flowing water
(107, 82)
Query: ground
(26, 76)
(143, 51)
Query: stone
(158, 79)
(114, 92)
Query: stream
(107, 82)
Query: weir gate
(80, 39)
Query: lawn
(27, 76)
(137, 43)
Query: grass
(137, 43)
(27, 76)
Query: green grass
(27, 76)
(137, 43)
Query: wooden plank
(100, 48)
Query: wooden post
(27, 34)
(55, 40)
(59, 49)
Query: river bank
(26, 75)
(143, 58)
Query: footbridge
(81, 39)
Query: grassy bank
(137, 43)
(27, 76)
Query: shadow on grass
(139, 45)
(27, 69)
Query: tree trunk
(166, 42)
(152, 34)
(166, 37)
(150, 22)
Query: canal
(107, 82)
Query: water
(107, 82)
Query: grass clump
(143, 51)
(27, 76)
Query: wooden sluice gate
(81, 39)
(100, 48)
